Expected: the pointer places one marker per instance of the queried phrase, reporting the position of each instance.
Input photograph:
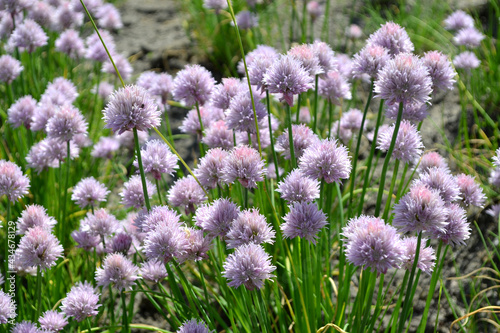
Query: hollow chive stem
(290, 137)
(202, 149)
(275, 157)
(141, 169)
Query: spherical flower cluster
(257, 70)
(122, 64)
(470, 191)
(349, 125)
(326, 160)
(165, 242)
(81, 302)
(13, 183)
(153, 270)
(105, 147)
(246, 20)
(53, 321)
(286, 76)
(303, 137)
(240, 115)
(249, 227)
(334, 87)
(307, 57)
(314, 10)
(10, 68)
(25, 327)
(209, 170)
(224, 92)
(21, 111)
(187, 193)
(457, 229)
(69, 42)
(108, 17)
(404, 79)
(370, 60)
(59, 92)
(298, 188)
(370, 242)
(193, 326)
(65, 17)
(249, 265)
(354, 31)
(42, 13)
(193, 84)
(162, 86)
(218, 135)
(440, 70)
(95, 49)
(216, 218)
(466, 60)
(198, 245)
(89, 192)
(157, 159)
(27, 36)
(469, 37)
(325, 55)
(215, 4)
(100, 223)
(408, 145)
(117, 271)
(245, 165)
(49, 152)
(305, 220)
(133, 193)
(421, 209)
(413, 112)
(261, 51)
(191, 123)
(443, 182)
(131, 107)
(34, 216)
(393, 37)
(426, 255)
(430, 160)
(66, 123)
(163, 215)
(38, 247)
(7, 308)
(458, 20)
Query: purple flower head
(89, 192)
(370, 242)
(6, 24)
(404, 79)
(258, 69)
(314, 9)
(121, 63)
(157, 159)
(457, 229)
(216, 218)
(325, 55)
(193, 326)
(38, 247)
(53, 321)
(66, 123)
(224, 92)
(494, 211)
(162, 86)
(59, 92)
(440, 70)
(249, 265)
(108, 17)
(326, 160)
(443, 182)
(426, 257)
(117, 271)
(131, 107)
(217, 135)
(66, 18)
(81, 302)
(334, 87)
(344, 64)
(95, 49)
(153, 270)
(133, 194)
(193, 84)
(34, 216)
(42, 13)
(260, 52)
(458, 20)
(470, 191)
(186, 193)
(298, 188)
(245, 165)
(393, 37)
(27, 36)
(85, 240)
(191, 123)
(354, 31)
(163, 215)
(307, 57)
(209, 170)
(215, 4)
(246, 20)
(249, 227)
(421, 209)
(21, 112)
(25, 327)
(412, 112)
(104, 90)
(37, 157)
(15, 6)
(430, 160)
(466, 60)
(165, 242)
(303, 138)
(494, 177)
(126, 139)
(350, 123)
(7, 308)
(100, 223)
(92, 5)
(287, 76)
(10, 68)
(198, 246)
(305, 220)
(370, 60)
(408, 146)
(469, 37)
(240, 116)
(13, 183)
(120, 243)
(105, 147)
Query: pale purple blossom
(65, 17)
(443, 182)
(408, 146)
(186, 193)
(370, 60)
(122, 64)
(193, 84)
(89, 192)
(261, 51)
(165, 242)
(7, 308)
(296, 187)
(224, 92)
(216, 218)
(34, 216)
(85, 240)
(334, 87)
(153, 270)
(471, 192)
(393, 37)
(307, 57)
(53, 321)
(210, 168)
(354, 31)
(117, 271)
(457, 229)
(67, 122)
(466, 60)
(469, 37)
(305, 220)
(108, 17)
(302, 136)
(42, 13)
(133, 194)
(95, 49)
(163, 215)
(218, 135)
(245, 165)
(59, 92)
(198, 245)
(325, 55)
(10, 68)
(193, 326)
(27, 36)
(240, 115)
(105, 147)
(413, 112)
(440, 70)
(38, 247)
(458, 20)
(158, 159)
(246, 20)
(426, 257)
(215, 4)
(249, 227)
(314, 9)
(25, 327)
(81, 302)
(100, 223)
(21, 112)
(13, 183)
(430, 160)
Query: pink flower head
(245, 165)
(393, 37)
(193, 84)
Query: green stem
(275, 157)
(89, 325)
(391, 190)
(169, 130)
(202, 149)
(10, 94)
(299, 101)
(315, 110)
(124, 311)
(290, 137)
(330, 118)
(158, 191)
(66, 185)
(141, 169)
(6, 261)
(33, 71)
(387, 160)
(38, 310)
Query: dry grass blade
(486, 309)
(327, 326)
